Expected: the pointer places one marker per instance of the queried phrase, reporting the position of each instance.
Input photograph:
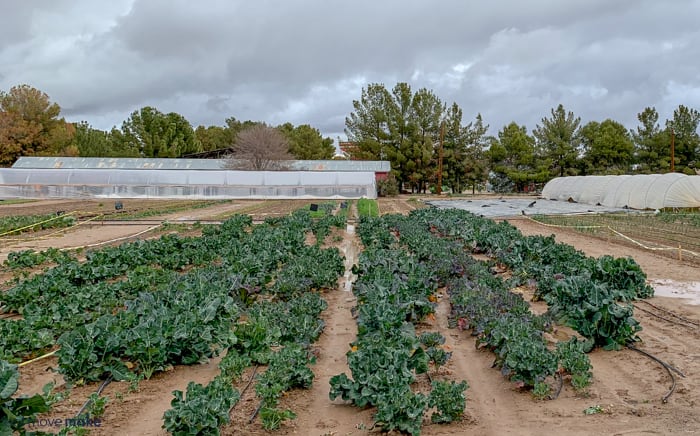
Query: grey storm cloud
(304, 61)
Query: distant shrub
(388, 187)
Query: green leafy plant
(97, 405)
(233, 364)
(393, 291)
(15, 412)
(449, 399)
(591, 309)
(574, 361)
(402, 410)
(541, 390)
(201, 410)
(31, 223)
(593, 410)
(272, 418)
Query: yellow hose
(38, 358)
(35, 224)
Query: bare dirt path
(491, 409)
(317, 415)
(399, 204)
(141, 412)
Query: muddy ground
(627, 386)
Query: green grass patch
(16, 201)
(367, 207)
(323, 209)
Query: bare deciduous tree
(260, 148)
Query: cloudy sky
(305, 61)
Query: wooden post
(438, 189)
(673, 151)
(680, 252)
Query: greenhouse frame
(127, 163)
(645, 191)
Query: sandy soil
(627, 386)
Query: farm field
(624, 397)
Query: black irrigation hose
(252, 377)
(677, 371)
(561, 384)
(671, 313)
(664, 318)
(668, 368)
(256, 412)
(99, 391)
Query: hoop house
(647, 191)
(189, 184)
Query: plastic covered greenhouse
(190, 184)
(649, 191)
(126, 163)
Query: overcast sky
(305, 61)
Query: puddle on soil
(348, 251)
(674, 289)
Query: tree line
(30, 125)
(415, 130)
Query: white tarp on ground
(510, 207)
(190, 184)
(645, 191)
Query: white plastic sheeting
(646, 191)
(133, 163)
(190, 184)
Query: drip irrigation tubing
(561, 384)
(252, 377)
(255, 413)
(664, 318)
(98, 392)
(695, 323)
(670, 369)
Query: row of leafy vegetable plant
(31, 223)
(501, 319)
(261, 339)
(73, 293)
(394, 292)
(156, 316)
(591, 295)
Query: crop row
(500, 319)
(131, 310)
(260, 339)
(74, 293)
(394, 291)
(31, 223)
(591, 295)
